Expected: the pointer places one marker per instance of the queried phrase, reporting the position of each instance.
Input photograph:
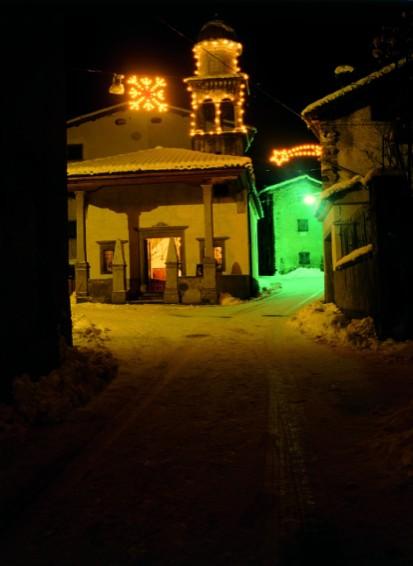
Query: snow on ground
(202, 374)
(325, 322)
(84, 372)
(228, 299)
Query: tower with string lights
(218, 91)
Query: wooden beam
(197, 178)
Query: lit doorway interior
(156, 250)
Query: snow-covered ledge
(354, 256)
(355, 183)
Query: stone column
(81, 266)
(118, 275)
(209, 280)
(171, 294)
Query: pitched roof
(337, 95)
(157, 159)
(112, 110)
(292, 181)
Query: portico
(133, 202)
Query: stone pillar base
(81, 282)
(119, 277)
(118, 297)
(209, 282)
(171, 296)
(209, 296)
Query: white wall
(119, 213)
(125, 131)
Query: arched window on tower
(206, 116)
(227, 115)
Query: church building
(168, 222)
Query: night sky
(290, 52)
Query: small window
(219, 252)
(302, 225)
(219, 257)
(107, 250)
(304, 258)
(206, 115)
(227, 114)
(156, 120)
(74, 152)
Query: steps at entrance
(151, 298)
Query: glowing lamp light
(284, 155)
(117, 86)
(147, 93)
(309, 199)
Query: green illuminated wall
(294, 247)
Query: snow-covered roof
(157, 159)
(217, 76)
(354, 183)
(288, 182)
(318, 104)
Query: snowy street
(227, 438)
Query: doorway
(156, 250)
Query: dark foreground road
(227, 438)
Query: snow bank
(393, 439)
(325, 322)
(84, 372)
(228, 299)
(301, 272)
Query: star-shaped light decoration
(147, 93)
(281, 156)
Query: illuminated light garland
(147, 93)
(218, 48)
(226, 52)
(282, 156)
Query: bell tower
(218, 92)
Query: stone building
(135, 209)
(296, 233)
(365, 206)
(165, 221)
